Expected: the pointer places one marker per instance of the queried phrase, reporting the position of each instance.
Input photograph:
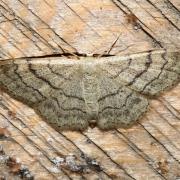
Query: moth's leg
(121, 109)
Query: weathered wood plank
(34, 28)
(149, 149)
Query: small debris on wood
(4, 133)
(132, 19)
(50, 140)
(15, 167)
(92, 163)
(58, 161)
(18, 169)
(71, 163)
(2, 178)
(12, 114)
(163, 167)
(25, 173)
(1, 150)
(54, 170)
(89, 141)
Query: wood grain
(34, 28)
(148, 150)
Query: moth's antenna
(70, 53)
(107, 52)
(113, 45)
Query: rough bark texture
(148, 150)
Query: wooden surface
(34, 28)
(148, 150)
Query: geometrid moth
(110, 92)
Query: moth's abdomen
(90, 88)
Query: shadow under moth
(109, 92)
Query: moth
(109, 92)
